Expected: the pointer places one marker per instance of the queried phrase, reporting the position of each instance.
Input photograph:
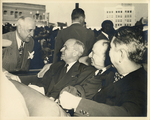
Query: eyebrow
(65, 46)
(92, 51)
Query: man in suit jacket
(54, 80)
(21, 104)
(107, 30)
(14, 58)
(77, 31)
(127, 95)
(103, 71)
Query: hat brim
(6, 43)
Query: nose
(90, 55)
(32, 33)
(62, 49)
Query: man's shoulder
(86, 67)
(73, 26)
(57, 64)
(9, 35)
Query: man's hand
(69, 101)
(11, 76)
(52, 98)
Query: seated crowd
(107, 79)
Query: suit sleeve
(131, 103)
(58, 45)
(28, 79)
(47, 78)
(91, 108)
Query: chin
(27, 40)
(92, 63)
(61, 58)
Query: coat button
(87, 114)
(84, 112)
(81, 111)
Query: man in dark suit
(55, 79)
(98, 78)
(127, 95)
(21, 97)
(16, 57)
(77, 31)
(75, 74)
(107, 30)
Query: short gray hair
(79, 46)
(21, 21)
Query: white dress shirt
(18, 40)
(105, 34)
(70, 65)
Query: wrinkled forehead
(100, 45)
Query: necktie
(99, 73)
(63, 71)
(65, 68)
(117, 77)
(20, 57)
(21, 48)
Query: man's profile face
(98, 54)
(67, 51)
(113, 53)
(26, 31)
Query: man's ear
(75, 53)
(122, 54)
(81, 19)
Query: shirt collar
(70, 65)
(18, 40)
(103, 70)
(105, 34)
(75, 23)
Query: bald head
(101, 46)
(98, 54)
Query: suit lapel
(105, 37)
(28, 47)
(55, 75)
(69, 76)
(13, 49)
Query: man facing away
(77, 31)
(107, 30)
(127, 95)
(16, 57)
